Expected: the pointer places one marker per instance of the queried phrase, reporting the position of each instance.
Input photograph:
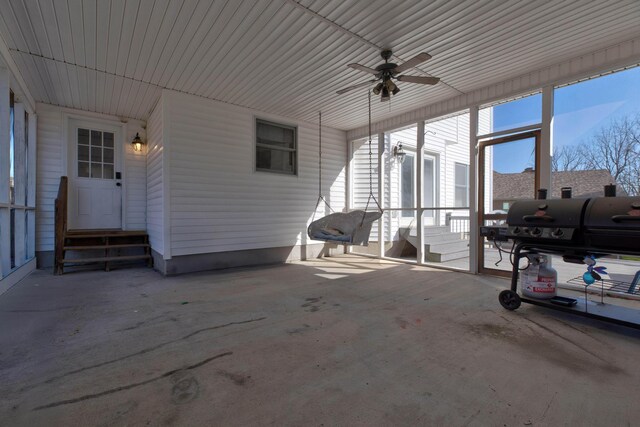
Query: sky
(579, 111)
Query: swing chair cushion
(344, 227)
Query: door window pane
(108, 139)
(96, 155)
(107, 171)
(96, 138)
(107, 156)
(83, 169)
(83, 136)
(83, 153)
(96, 170)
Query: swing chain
(320, 196)
(371, 196)
(319, 154)
(370, 154)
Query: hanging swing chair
(348, 228)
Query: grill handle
(620, 218)
(531, 218)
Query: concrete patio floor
(340, 341)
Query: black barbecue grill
(572, 228)
(549, 221)
(613, 224)
(602, 224)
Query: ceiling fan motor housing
(386, 54)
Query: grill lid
(613, 213)
(565, 213)
(546, 220)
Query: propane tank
(539, 279)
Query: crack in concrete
(551, 331)
(142, 322)
(44, 310)
(130, 386)
(141, 352)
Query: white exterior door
(95, 187)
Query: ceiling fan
(387, 72)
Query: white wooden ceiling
(288, 57)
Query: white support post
(546, 139)
(19, 155)
(381, 182)
(473, 190)
(348, 195)
(31, 161)
(31, 186)
(19, 183)
(5, 122)
(420, 192)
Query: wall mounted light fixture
(398, 152)
(137, 143)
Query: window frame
(256, 145)
(457, 186)
(409, 159)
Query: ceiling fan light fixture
(377, 89)
(395, 90)
(385, 94)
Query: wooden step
(106, 240)
(105, 259)
(94, 234)
(117, 246)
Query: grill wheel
(509, 299)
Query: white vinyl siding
(49, 161)
(218, 202)
(51, 165)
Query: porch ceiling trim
(618, 56)
(13, 67)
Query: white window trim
(456, 185)
(295, 150)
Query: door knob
(118, 184)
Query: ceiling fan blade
(363, 68)
(419, 79)
(350, 88)
(419, 58)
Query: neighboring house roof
(584, 183)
